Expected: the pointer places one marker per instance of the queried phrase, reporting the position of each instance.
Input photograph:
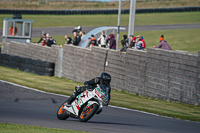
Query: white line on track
(68, 96)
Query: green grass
(63, 5)
(16, 128)
(108, 20)
(118, 98)
(185, 40)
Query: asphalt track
(22, 105)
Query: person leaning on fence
(43, 37)
(50, 41)
(45, 40)
(89, 45)
(132, 41)
(138, 44)
(112, 43)
(81, 34)
(142, 39)
(163, 44)
(102, 39)
(77, 39)
(125, 44)
(68, 40)
(94, 41)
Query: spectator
(102, 39)
(132, 41)
(89, 45)
(94, 41)
(45, 40)
(77, 39)
(112, 44)
(11, 29)
(68, 40)
(50, 41)
(81, 34)
(141, 39)
(138, 44)
(43, 37)
(163, 44)
(124, 43)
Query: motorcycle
(86, 104)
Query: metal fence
(101, 11)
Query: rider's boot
(70, 100)
(77, 91)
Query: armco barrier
(156, 73)
(99, 11)
(27, 64)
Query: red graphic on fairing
(85, 93)
(76, 104)
(90, 101)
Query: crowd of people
(105, 41)
(109, 41)
(47, 40)
(139, 43)
(78, 36)
(132, 42)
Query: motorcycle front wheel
(61, 113)
(86, 114)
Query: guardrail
(102, 11)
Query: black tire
(99, 111)
(62, 114)
(88, 113)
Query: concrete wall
(80, 64)
(156, 73)
(33, 51)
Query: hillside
(81, 4)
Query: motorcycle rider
(104, 79)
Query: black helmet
(105, 78)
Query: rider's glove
(77, 89)
(86, 83)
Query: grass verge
(108, 20)
(16, 128)
(118, 98)
(72, 4)
(183, 39)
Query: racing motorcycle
(86, 104)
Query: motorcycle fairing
(86, 96)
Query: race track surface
(20, 105)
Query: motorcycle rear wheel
(87, 114)
(61, 113)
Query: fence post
(60, 60)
